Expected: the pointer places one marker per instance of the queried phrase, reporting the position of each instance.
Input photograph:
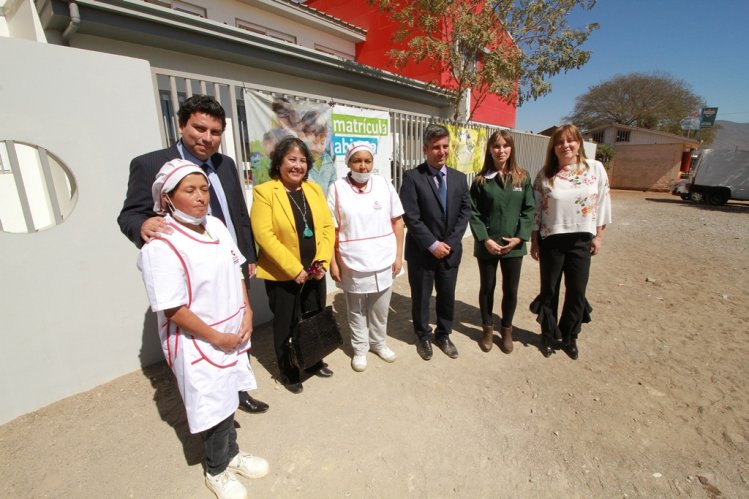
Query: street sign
(707, 117)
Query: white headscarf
(168, 178)
(355, 147)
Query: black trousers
(283, 297)
(568, 256)
(422, 279)
(220, 446)
(510, 268)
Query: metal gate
(173, 87)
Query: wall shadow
(172, 410)
(468, 323)
(150, 347)
(264, 352)
(730, 207)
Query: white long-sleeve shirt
(578, 200)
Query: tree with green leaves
(509, 48)
(656, 101)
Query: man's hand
(251, 269)
(442, 250)
(152, 227)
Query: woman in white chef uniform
(368, 250)
(194, 284)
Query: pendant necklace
(307, 232)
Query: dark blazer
(426, 220)
(138, 206)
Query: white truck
(719, 175)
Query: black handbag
(315, 336)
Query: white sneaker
(386, 354)
(248, 465)
(225, 485)
(359, 363)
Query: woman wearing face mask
(293, 229)
(194, 284)
(502, 210)
(368, 251)
(574, 207)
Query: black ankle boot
(546, 346)
(571, 348)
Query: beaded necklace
(307, 232)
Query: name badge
(517, 189)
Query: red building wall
(373, 52)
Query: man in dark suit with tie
(202, 121)
(437, 208)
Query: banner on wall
(467, 148)
(269, 119)
(351, 124)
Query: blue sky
(703, 43)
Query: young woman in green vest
(502, 210)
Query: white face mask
(183, 217)
(361, 177)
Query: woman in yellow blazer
(294, 230)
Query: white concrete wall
(73, 309)
(18, 19)
(227, 12)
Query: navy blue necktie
(216, 210)
(442, 188)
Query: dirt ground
(656, 406)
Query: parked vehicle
(718, 176)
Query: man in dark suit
(201, 124)
(437, 208)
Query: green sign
(707, 117)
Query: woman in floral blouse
(572, 210)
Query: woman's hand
(245, 329)
(397, 266)
(227, 342)
(302, 277)
(534, 245)
(335, 271)
(319, 274)
(595, 245)
(534, 250)
(512, 242)
(492, 247)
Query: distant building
(645, 159)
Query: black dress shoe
(251, 405)
(570, 348)
(447, 346)
(324, 372)
(424, 348)
(545, 346)
(293, 387)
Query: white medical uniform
(367, 248)
(366, 242)
(201, 272)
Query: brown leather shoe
(487, 339)
(506, 333)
